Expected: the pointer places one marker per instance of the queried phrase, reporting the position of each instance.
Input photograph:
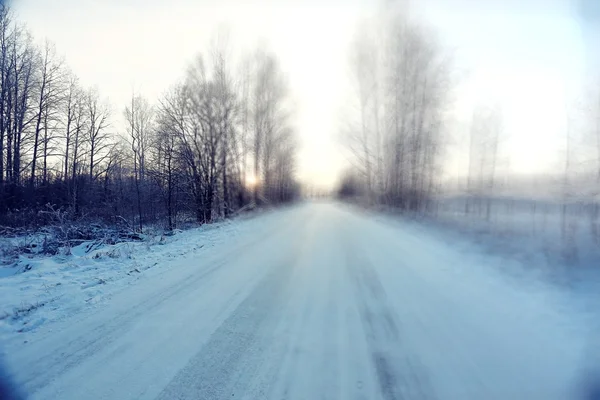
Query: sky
(530, 56)
(527, 56)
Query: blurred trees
(484, 138)
(187, 156)
(402, 82)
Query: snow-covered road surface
(321, 302)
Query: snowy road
(320, 302)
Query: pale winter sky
(528, 55)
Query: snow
(532, 228)
(38, 289)
(314, 301)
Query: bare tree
(5, 38)
(227, 113)
(242, 148)
(79, 122)
(205, 139)
(270, 111)
(165, 146)
(50, 91)
(97, 135)
(70, 108)
(139, 119)
(22, 79)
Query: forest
(220, 140)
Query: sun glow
(251, 181)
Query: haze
(539, 49)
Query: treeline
(219, 140)
(402, 82)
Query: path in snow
(324, 303)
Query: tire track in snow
(400, 375)
(234, 357)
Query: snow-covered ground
(38, 289)
(536, 229)
(318, 301)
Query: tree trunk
(45, 155)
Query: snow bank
(37, 288)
